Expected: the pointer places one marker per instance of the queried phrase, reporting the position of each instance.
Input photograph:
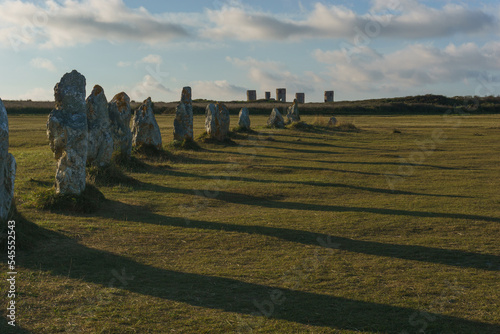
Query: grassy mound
(90, 200)
(126, 162)
(300, 126)
(107, 176)
(322, 123)
(151, 153)
(239, 129)
(186, 144)
(206, 139)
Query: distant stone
(7, 166)
(145, 129)
(332, 121)
(244, 119)
(183, 122)
(100, 145)
(119, 116)
(67, 131)
(292, 114)
(217, 121)
(276, 120)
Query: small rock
(217, 121)
(119, 116)
(183, 122)
(100, 146)
(145, 129)
(276, 120)
(67, 132)
(244, 119)
(293, 112)
(7, 166)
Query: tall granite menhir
(183, 122)
(217, 121)
(145, 129)
(119, 116)
(7, 166)
(68, 133)
(100, 146)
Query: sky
(222, 48)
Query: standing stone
(251, 95)
(244, 119)
(183, 122)
(100, 146)
(268, 95)
(332, 121)
(276, 120)
(217, 121)
(7, 166)
(329, 96)
(67, 131)
(145, 129)
(119, 116)
(293, 112)
(281, 94)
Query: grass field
(289, 231)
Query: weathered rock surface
(183, 122)
(100, 145)
(292, 114)
(7, 166)
(217, 121)
(145, 129)
(332, 121)
(276, 120)
(119, 116)
(244, 119)
(67, 131)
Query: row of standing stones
(87, 131)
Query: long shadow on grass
(448, 257)
(244, 199)
(72, 260)
(308, 183)
(8, 329)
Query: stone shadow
(67, 258)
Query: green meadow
(391, 228)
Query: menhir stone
(100, 145)
(119, 116)
(7, 166)
(293, 112)
(217, 121)
(145, 129)
(276, 120)
(332, 121)
(67, 131)
(244, 119)
(183, 122)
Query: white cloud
(124, 64)
(43, 63)
(269, 75)
(414, 66)
(405, 19)
(218, 90)
(81, 22)
(37, 94)
(151, 59)
(150, 87)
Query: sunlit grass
(285, 231)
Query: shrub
(90, 200)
